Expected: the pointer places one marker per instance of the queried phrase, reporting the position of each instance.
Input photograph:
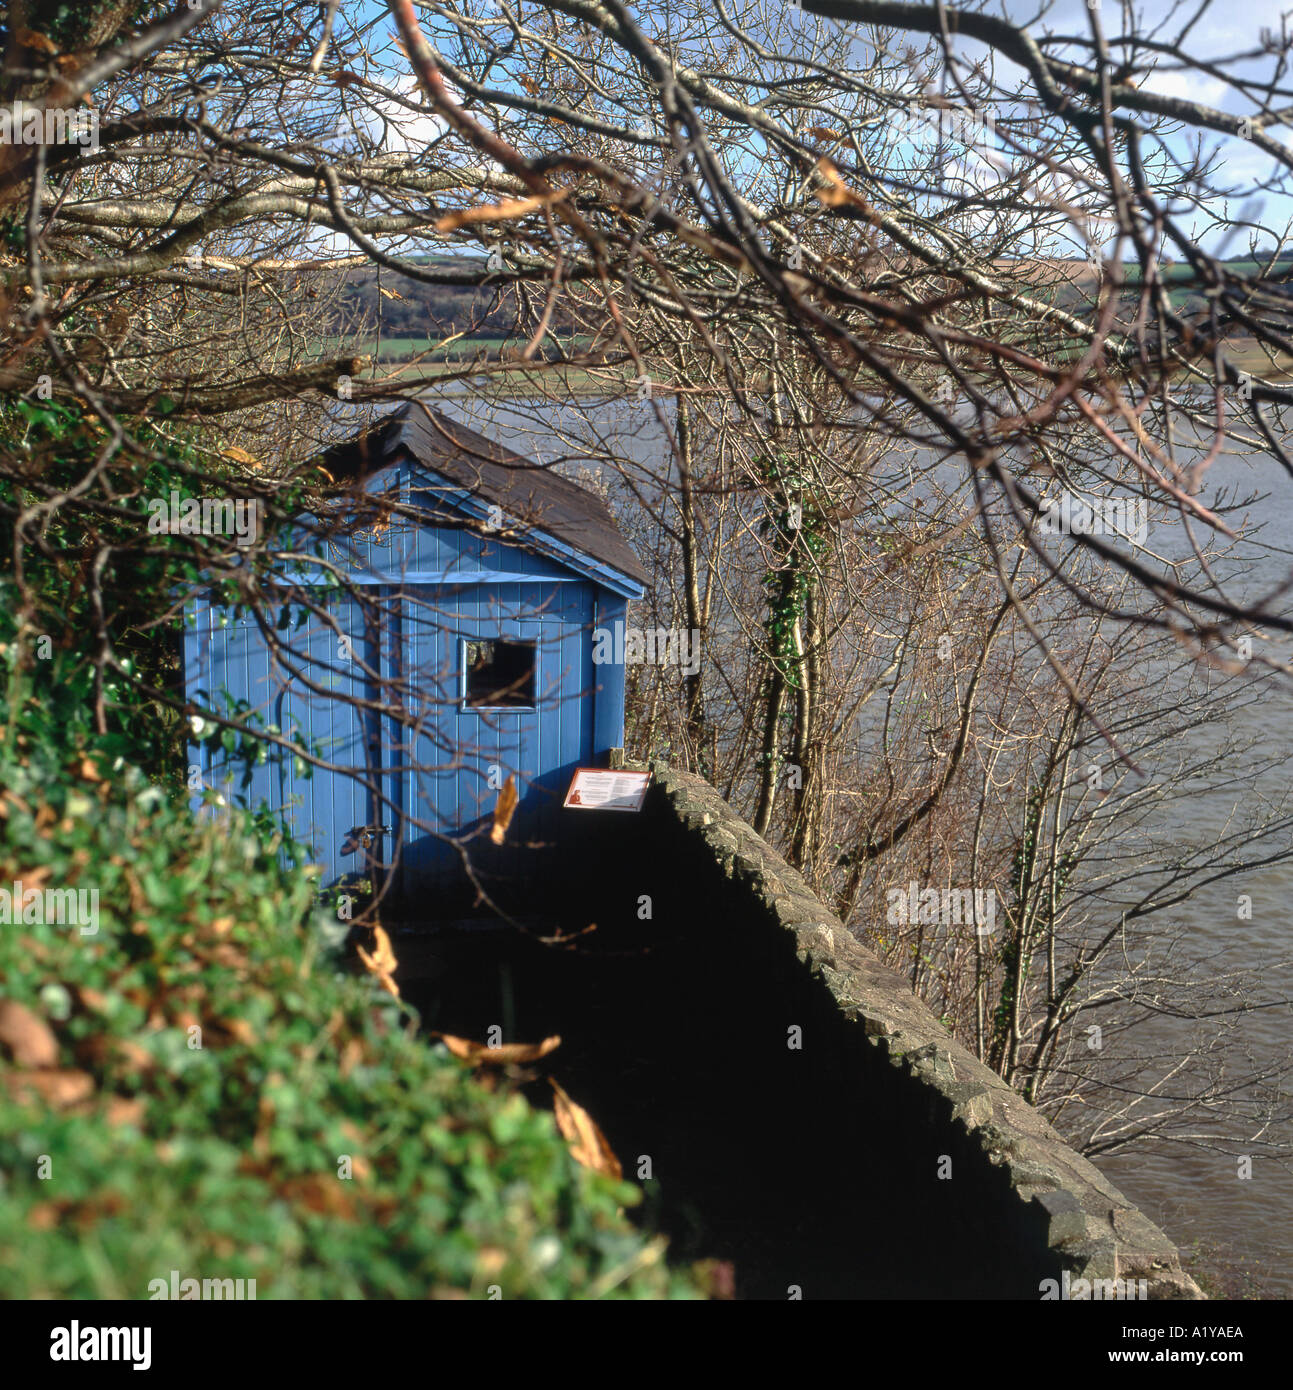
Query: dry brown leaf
(504, 811)
(120, 1111)
(824, 132)
(505, 1053)
(389, 294)
(29, 38)
(239, 1030)
(26, 1037)
(127, 1053)
(389, 985)
(383, 957)
(56, 1088)
(497, 212)
(32, 878)
(92, 999)
(588, 1144)
(836, 193)
(351, 1056)
(381, 961)
(326, 1196)
(89, 772)
(44, 1216)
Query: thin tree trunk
(693, 686)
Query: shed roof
(529, 492)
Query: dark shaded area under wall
(812, 1167)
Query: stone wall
(1043, 1208)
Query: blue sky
(1219, 31)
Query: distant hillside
(412, 314)
(412, 317)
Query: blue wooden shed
(468, 659)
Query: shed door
(498, 679)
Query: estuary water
(1237, 1224)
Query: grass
(400, 348)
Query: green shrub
(222, 1161)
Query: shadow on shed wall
(813, 1167)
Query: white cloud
(387, 125)
(1187, 86)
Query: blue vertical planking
(610, 613)
(313, 693)
(431, 770)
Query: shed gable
(443, 467)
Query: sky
(1219, 31)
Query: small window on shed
(499, 673)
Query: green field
(401, 349)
